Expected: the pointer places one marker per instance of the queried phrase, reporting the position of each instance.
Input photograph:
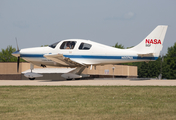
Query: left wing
(60, 59)
(65, 61)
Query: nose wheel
(31, 67)
(31, 78)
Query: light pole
(162, 59)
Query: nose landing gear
(31, 75)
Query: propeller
(18, 61)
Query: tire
(31, 78)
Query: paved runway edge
(88, 83)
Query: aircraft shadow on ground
(139, 79)
(62, 80)
(132, 79)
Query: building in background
(8, 71)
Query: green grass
(106, 102)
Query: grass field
(102, 102)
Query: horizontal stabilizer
(146, 55)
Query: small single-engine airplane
(81, 53)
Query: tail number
(148, 42)
(127, 57)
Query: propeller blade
(18, 62)
(17, 54)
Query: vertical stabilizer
(153, 43)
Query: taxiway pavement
(99, 82)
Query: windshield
(53, 45)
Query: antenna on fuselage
(17, 44)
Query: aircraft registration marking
(127, 57)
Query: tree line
(165, 65)
(6, 55)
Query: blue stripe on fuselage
(32, 55)
(109, 57)
(93, 57)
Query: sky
(43, 22)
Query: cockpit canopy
(71, 45)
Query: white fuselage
(98, 54)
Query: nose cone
(16, 53)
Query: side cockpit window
(84, 46)
(54, 45)
(68, 45)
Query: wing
(64, 61)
